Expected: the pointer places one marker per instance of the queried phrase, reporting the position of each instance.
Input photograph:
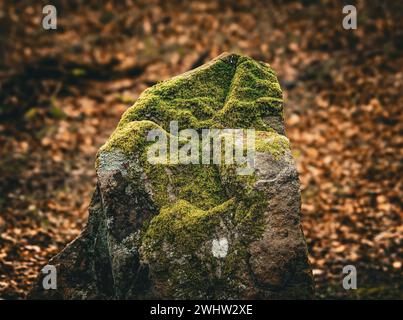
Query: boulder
(192, 231)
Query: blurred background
(63, 91)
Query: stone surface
(192, 231)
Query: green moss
(189, 98)
(254, 93)
(232, 92)
(174, 252)
(199, 203)
(197, 184)
(271, 142)
(177, 245)
(130, 138)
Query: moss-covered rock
(193, 230)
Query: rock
(192, 231)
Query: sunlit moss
(198, 203)
(271, 142)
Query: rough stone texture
(193, 231)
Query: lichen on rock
(193, 231)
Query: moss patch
(232, 92)
(271, 142)
(178, 245)
(200, 203)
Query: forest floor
(63, 91)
